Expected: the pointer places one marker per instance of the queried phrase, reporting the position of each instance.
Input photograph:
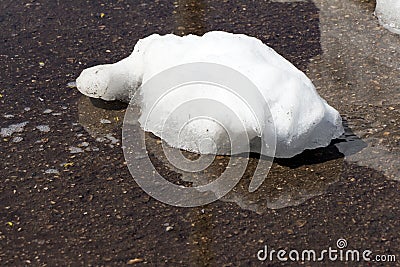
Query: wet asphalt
(67, 197)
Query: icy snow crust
(388, 13)
(302, 119)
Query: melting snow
(17, 139)
(301, 118)
(13, 128)
(75, 150)
(52, 171)
(388, 13)
(43, 128)
(105, 121)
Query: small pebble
(134, 261)
(17, 139)
(75, 150)
(43, 128)
(100, 139)
(105, 121)
(112, 139)
(52, 171)
(71, 85)
(301, 223)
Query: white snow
(71, 84)
(75, 150)
(388, 13)
(84, 144)
(303, 120)
(17, 139)
(51, 171)
(43, 128)
(105, 121)
(13, 128)
(112, 139)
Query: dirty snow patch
(75, 150)
(13, 128)
(105, 121)
(52, 171)
(17, 139)
(43, 128)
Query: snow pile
(388, 13)
(285, 99)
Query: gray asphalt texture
(68, 199)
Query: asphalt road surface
(68, 199)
